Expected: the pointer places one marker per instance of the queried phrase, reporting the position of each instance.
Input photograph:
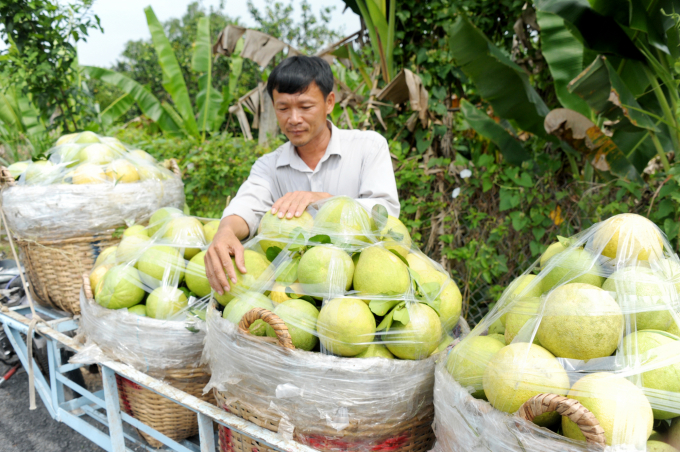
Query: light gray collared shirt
(356, 164)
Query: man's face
(302, 116)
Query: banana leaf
(498, 79)
(208, 99)
(116, 109)
(235, 68)
(173, 79)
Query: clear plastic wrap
(87, 188)
(595, 320)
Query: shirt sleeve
(378, 185)
(254, 197)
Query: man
(318, 162)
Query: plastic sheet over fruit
(596, 320)
(87, 188)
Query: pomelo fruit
(287, 271)
(161, 265)
(553, 249)
(496, 327)
(86, 138)
(390, 235)
(42, 172)
(120, 288)
(524, 286)
(122, 171)
(375, 350)
(150, 172)
(443, 344)
(344, 220)
(621, 408)
(521, 320)
(379, 271)
(165, 302)
(136, 229)
(186, 232)
(300, 317)
(520, 371)
(257, 274)
(628, 237)
(69, 137)
(16, 169)
(645, 348)
(499, 337)
(580, 321)
(644, 295)
(106, 256)
(139, 154)
(278, 232)
(138, 309)
(68, 154)
(161, 217)
(659, 446)
(325, 270)
(419, 337)
(670, 269)
(115, 144)
(346, 326)
(96, 154)
(467, 361)
(571, 266)
(89, 173)
(131, 248)
(97, 274)
(673, 435)
(240, 305)
(210, 229)
(278, 294)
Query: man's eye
(306, 108)
(283, 109)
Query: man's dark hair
(294, 75)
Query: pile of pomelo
(88, 158)
(596, 320)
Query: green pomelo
(165, 302)
(96, 154)
(186, 232)
(571, 266)
(300, 317)
(161, 266)
(673, 434)
(138, 309)
(643, 294)
(670, 268)
(68, 154)
(375, 351)
(620, 407)
(107, 256)
(520, 371)
(16, 169)
(275, 231)
(656, 436)
(120, 288)
(580, 321)
(161, 217)
(419, 337)
(210, 229)
(68, 138)
(242, 304)
(673, 329)
(627, 238)
(394, 235)
(648, 348)
(379, 271)
(497, 327)
(195, 276)
(520, 321)
(524, 286)
(499, 337)
(344, 220)
(41, 172)
(287, 272)
(659, 446)
(346, 326)
(467, 362)
(97, 274)
(85, 137)
(139, 154)
(553, 249)
(137, 229)
(325, 270)
(131, 248)
(257, 273)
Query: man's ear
(330, 102)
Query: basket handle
(272, 320)
(6, 177)
(172, 165)
(86, 287)
(577, 413)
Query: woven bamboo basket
(54, 267)
(413, 436)
(154, 410)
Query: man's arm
(378, 185)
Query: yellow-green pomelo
(195, 276)
(165, 302)
(520, 371)
(86, 137)
(89, 173)
(524, 286)
(96, 275)
(107, 256)
(186, 232)
(645, 296)
(287, 272)
(419, 337)
(375, 350)
(467, 362)
(650, 349)
(325, 270)
(673, 329)
(122, 171)
(141, 155)
(161, 217)
(394, 235)
(136, 229)
(120, 288)
(628, 237)
(620, 407)
(571, 266)
(659, 446)
(68, 154)
(278, 294)
(131, 248)
(210, 229)
(242, 304)
(496, 327)
(138, 309)
(553, 249)
(379, 271)
(257, 272)
(69, 137)
(580, 321)
(499, 337)
(300, 317)
(656, 436)
(41, 172)
(149, 171)
(278, 232)
(520, 322)
(161, 266)
(96, 154)
(670, 269)
(16, 169)
(344, 219)
(346, 326)
(673, 434)
(450, 298)
(115, 144)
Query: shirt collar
(290, 157)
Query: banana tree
(21, 124)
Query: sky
(124, 20)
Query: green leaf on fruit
(118, 233)
(415, 277)
(430, 290)
(400, 314)
(382, 307)
(434, 304)
(272, 253)
(306, 298)
(397, 237)
(320, 239)
(565, 241)
(379, 215)
(386, 322)
(402, 258)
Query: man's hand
(294, 203)
(225, 244)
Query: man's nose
(295, 117)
